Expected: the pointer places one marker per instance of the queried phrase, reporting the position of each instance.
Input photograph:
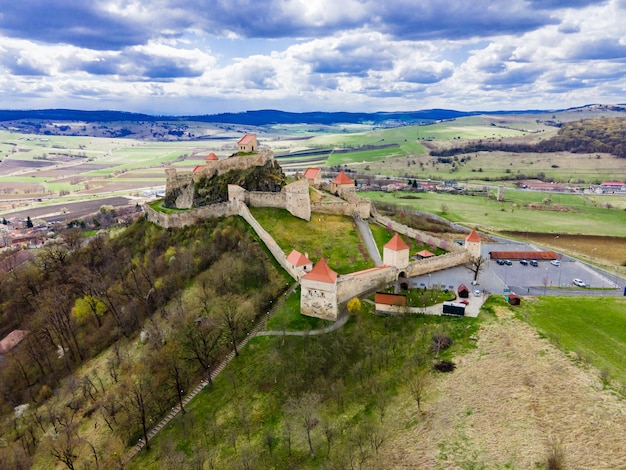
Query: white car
(477, 293)
(579, 283)
(555, 262)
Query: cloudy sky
(212, 56)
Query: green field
(512, 214)
(333, 237)
(593, 328)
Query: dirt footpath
(508, 403)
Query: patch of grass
(593, 327)
(333, 237)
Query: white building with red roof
(342, 182)
(318, 297)
(472, 244)
(396, 252)
(314, 176)
(248, 144)
(300, 262)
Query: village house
(247, 144)
(300, 262)
(314, 176)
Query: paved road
(368, 238)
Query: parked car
(555, 262)
(476, 293)
(533, 262)
(500, 262)
(508, 262)
(579, 283)
(523, 262)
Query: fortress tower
(319, 292)
(396, 253)
(472, 244)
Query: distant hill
(254, 118)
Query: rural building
(424, 254)
(396, 253)
(463, 291)
(318, 297)
(342, 182)
(514, 299)
(248, 144)
(300, 262)
(472, 244)
(314, 176)
(389, 302)
(612, 187)
(515, 255)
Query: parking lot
(543, 279)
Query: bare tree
(476, 264)
(234, 316)
(305, 410)
(418, 386)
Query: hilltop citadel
(323, 290)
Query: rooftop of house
(342, 178)
(390, 299)
(425, 254)
(198, 168)
(321, 272)
(312, 173)
(396, 243)
(473, 237)
(246, 139)
(211, 157)
(298, 259)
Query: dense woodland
(605, 135)
(155, 308)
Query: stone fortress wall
(295, 198)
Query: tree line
(601, 135)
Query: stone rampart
(356, 284)
(236, 162)
(437, 263)
(297, 199)
(264, 199)
(416, 234)
(266, 238)
(188, 217)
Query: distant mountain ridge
(254, 118)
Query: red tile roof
(397, 244)
(342, 178)
(473, 237)
(211, 156)
(390, 299)
(246, 139)
(298, 259)
(538, 255)
(425, 254)
(311, 173)
(321, 272)
(199, 168)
